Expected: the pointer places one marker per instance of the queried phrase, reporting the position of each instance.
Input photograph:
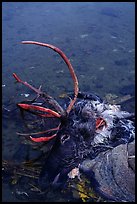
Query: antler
(43, 95)
(72, 72)
(48, 112)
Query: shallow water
(98, 38)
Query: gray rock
(114, 171)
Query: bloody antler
(73, 75)
(43, 95)
(37, 133)
(42, 139)
(48, 112)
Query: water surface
(98, 38)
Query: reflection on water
(98, 38)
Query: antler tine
(70, 67)
(43, 95)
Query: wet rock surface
(114, 172)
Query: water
(98, 38)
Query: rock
(114, 172)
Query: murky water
(98, 38)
